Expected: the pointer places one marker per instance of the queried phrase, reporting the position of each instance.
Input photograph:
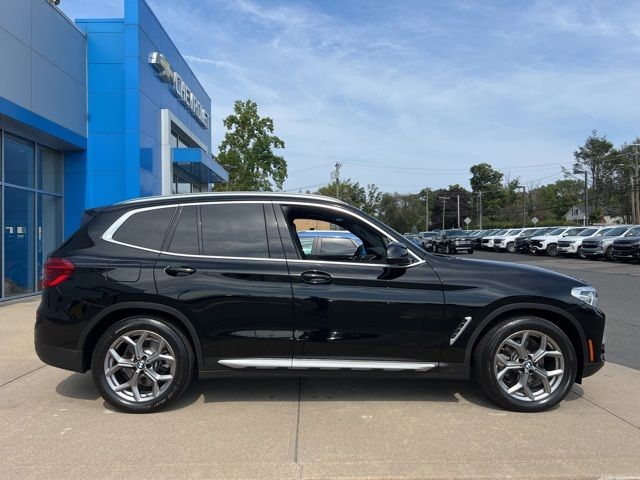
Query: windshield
(574, 231)
(514, 232)
(557, 231)
(634, 232)
(588, 232)
(427, 234)
(616, 232)
(455, 233)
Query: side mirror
(397, 254)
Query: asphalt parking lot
(55, 425)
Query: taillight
(56, 271)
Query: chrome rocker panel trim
(322, 364)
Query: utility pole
(480, 210)
(634, 212)
(458, 197)
(635, 191)
(524, 211)
(426, 218)
(336, 175)
(586, 194)
(444, 208)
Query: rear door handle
(316, 277)
(179, 271)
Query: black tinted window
(337, 246)
(234, 230)
(145, 229)
(185, 238)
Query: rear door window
(146, 228)
(234, 230)
(337, 246)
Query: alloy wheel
(139, 366)
(529, 366)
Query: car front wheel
(525, 364)
(511, 247)
(141, 364)
(552, 250)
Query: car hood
(503, 278)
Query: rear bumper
(60, 357)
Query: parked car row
(619, 242)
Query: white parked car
(507, 242)
(487, 242)
(549, 243)
(572, 245)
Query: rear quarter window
(146, 228)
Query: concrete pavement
(55, 425)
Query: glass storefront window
(18, 242)
(49, 229)
(49, 170)
(31, 212)
(19, 162)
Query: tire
(486, 366)
(552, 249)
(579, 254)
(511, 247)
(157, 383)
(470, 251)
(608, 254)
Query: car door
(367, 313)
(224, 268)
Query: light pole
(458, 198)
(577, 171)
(444, 208)
(524, 211)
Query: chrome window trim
(110, 232)
(326, 364)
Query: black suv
(149, 292)
(452, 241)
(628, 247)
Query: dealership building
(92, 112)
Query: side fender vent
(459, 329)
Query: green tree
(247, 151)
(488, 181)
(372, 202)
(348, 191)
(595, 157)
(403, 212)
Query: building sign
(180, 88)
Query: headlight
(586, 294)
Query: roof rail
(231, 194)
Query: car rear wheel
(552, 250)
(141, 364)
(526, 364)
(511, 247)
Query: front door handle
(316, 277)
(179, 271)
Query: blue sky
(409, 94)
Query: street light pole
(458, 197)
(444, 208)
(524, 210)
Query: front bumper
(567, 250)
(626, 254)
(593, 252)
